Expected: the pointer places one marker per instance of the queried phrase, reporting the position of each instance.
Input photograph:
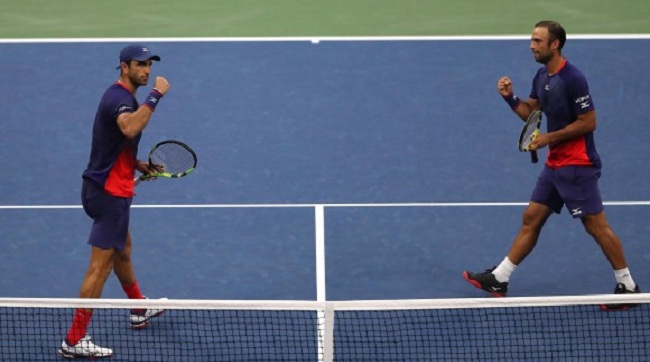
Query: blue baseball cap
(137, 52)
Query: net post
(326, 313)
(328, 332)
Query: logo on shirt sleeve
(584, 102)
(123, 109)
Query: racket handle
(533, 157)
(137, 180)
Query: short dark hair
(555, 31)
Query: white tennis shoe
(85, 348)
(140, 319)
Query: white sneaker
(85, 348)
(140, 319)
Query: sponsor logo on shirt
(583, 101)
(575, 212)
(124, 109)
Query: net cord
(402, 304)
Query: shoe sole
(74, 356)
(479, 286)
(614, 308)
(146, 322)
(66, 355)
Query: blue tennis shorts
(110, 216)
(573, 186)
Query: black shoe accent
(487, 281)
(621, 289)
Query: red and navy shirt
(113, 156)
(564, 96)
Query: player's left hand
(143, 167)
(541, 141)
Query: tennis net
(506, 329)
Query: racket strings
(528, 135)
(174, 158)
(531, 129)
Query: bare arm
(131, 124)
(585, 123)
(524, 108)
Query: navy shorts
(110, 216)
(573, 186)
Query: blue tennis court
(405, 145)
(365, 128)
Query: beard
(139, 81)
(543, 58)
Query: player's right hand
(504, 86)
(161, 84)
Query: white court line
(314, 38)
(320, 253)
(241, 206)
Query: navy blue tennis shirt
(564, 96)
(113, 156)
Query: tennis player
(570, 175)
(107, 191)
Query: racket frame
(167, 174)
(534, 120)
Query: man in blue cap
(136, 52)
(107, 191)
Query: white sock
(624, 276)
(503, 271)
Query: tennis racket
(529, 134)
(171, 159)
